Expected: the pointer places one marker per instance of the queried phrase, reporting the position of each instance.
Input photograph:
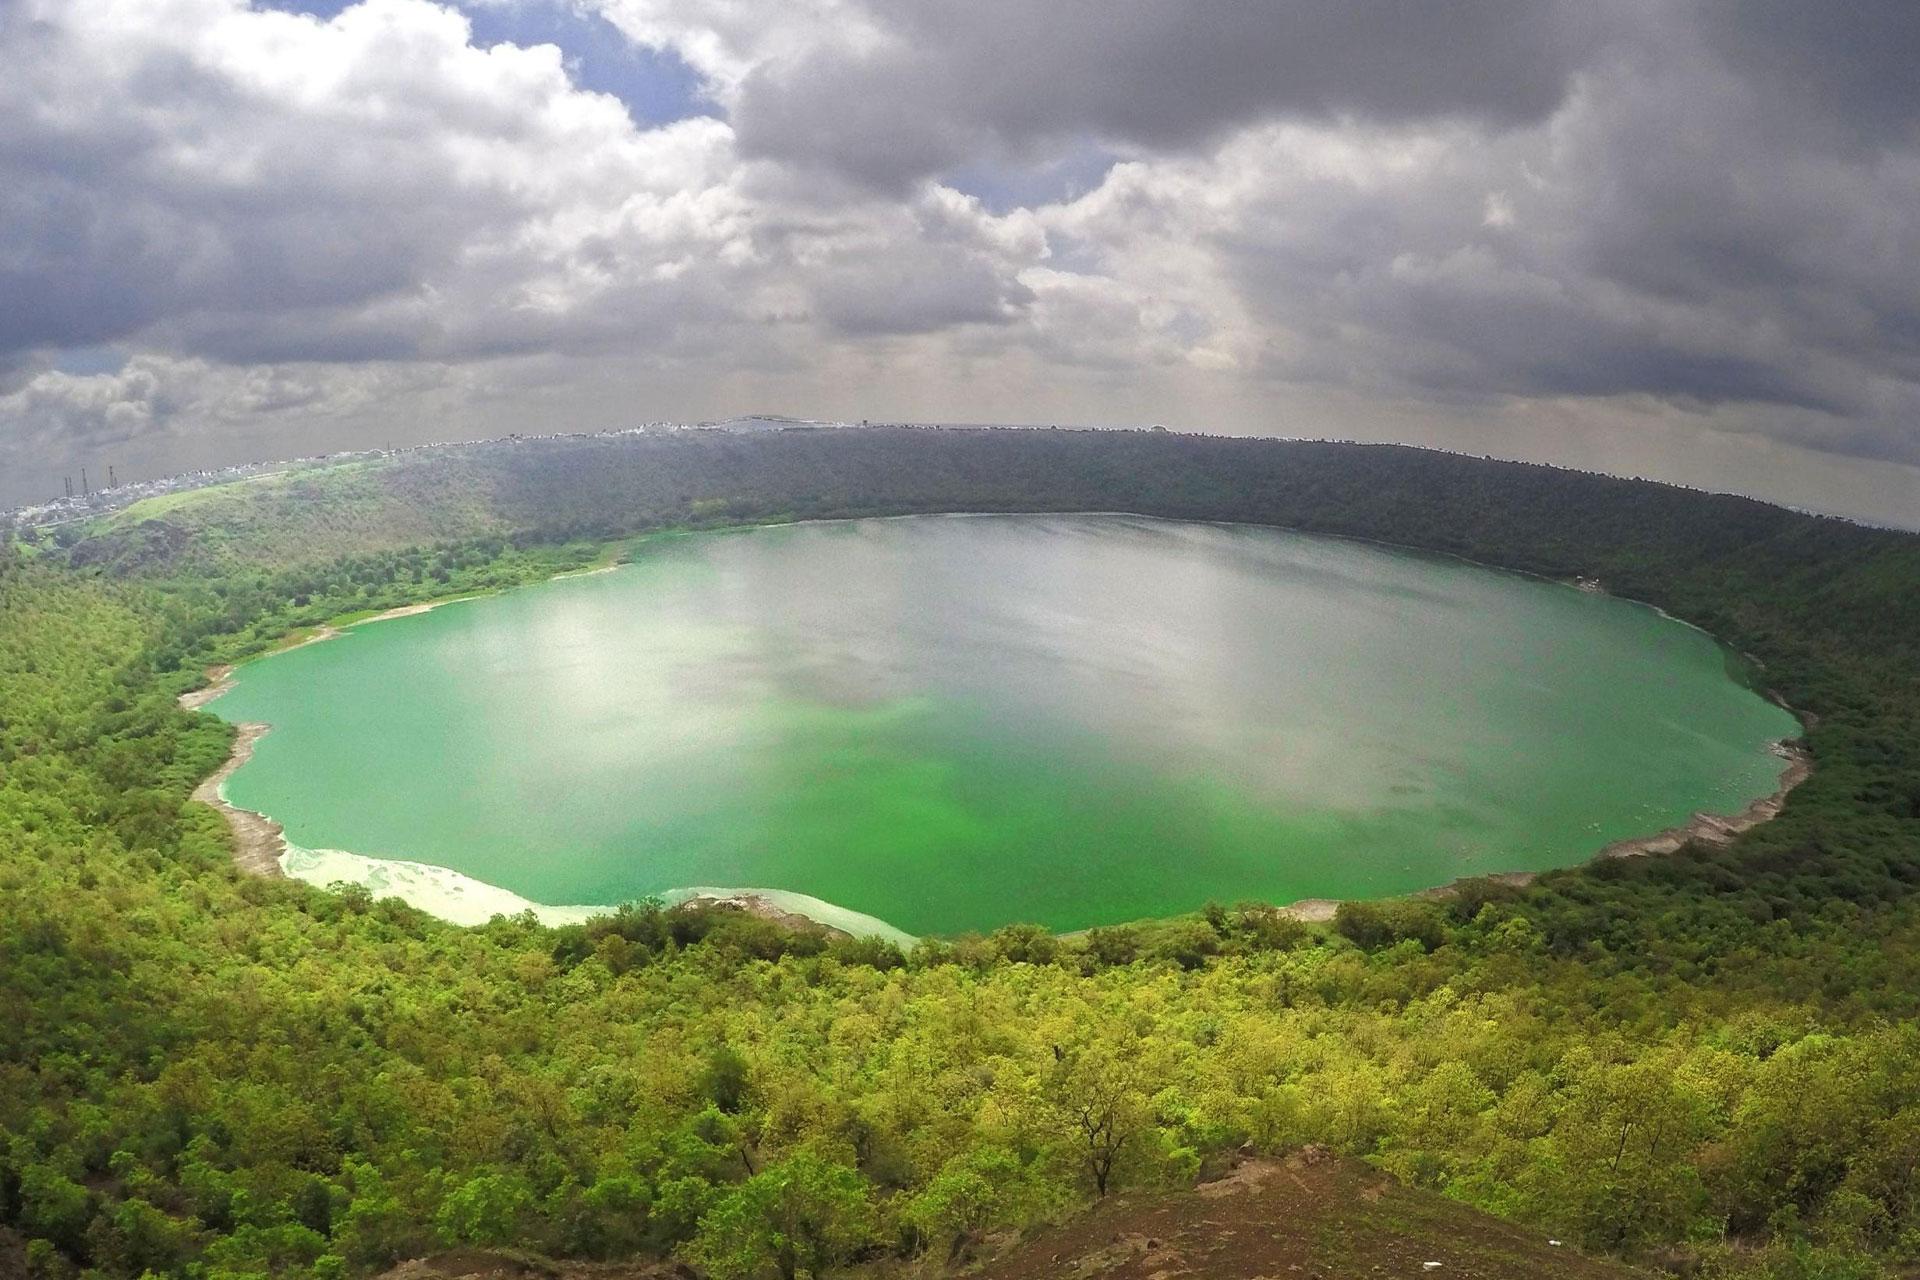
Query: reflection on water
(954, 722)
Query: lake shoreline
(261, 848)
(220, 676)
(1719, 830)
(258, 841)
(1712, 829)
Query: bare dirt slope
(13, 1256)
(488, 1264)
(1311, 1216)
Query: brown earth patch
(765, 908)
(490, 1264)
(1312, 1215)
(13, 1255)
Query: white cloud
(366, 225)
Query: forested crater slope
(1707, 1058)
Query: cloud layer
(226, 227)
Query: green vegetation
(1709, 1057)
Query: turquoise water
(952, 723)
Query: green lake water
(954, 722)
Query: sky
(1671, 238)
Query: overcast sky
(1673, 239)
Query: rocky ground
(1312, 1215)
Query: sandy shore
(405, 611)
(219, 680)
(257, 840)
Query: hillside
(1709, 1058)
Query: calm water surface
(953, 722)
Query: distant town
(83, 501)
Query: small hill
(1312, 1215)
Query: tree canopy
(213, 1075)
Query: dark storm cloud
(1698, 188)
(1709, 207)
(1850, 65)
(1714, 201)
(1683, 226)
(952, 81)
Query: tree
(1624, 1142)
(53, 1206)
(1100, 1098)
(963, 1199)
(376, 1230)
(800, 1213)
(724, 1079)
(485, 1210)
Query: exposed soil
(13, 1256)
(257, 839)
(1312, 1215)
(765, 908)
(489, 1264)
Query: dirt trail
(507, 1264)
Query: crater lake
(950, 723)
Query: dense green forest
(1707, 1061)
